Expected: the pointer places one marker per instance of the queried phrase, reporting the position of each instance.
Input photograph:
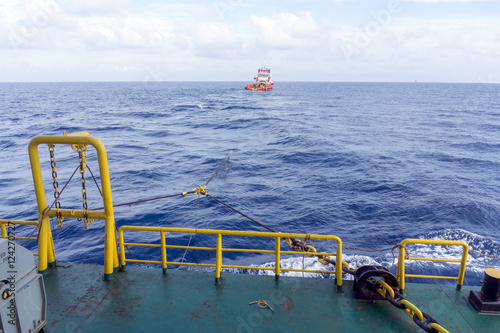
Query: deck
(145, 300)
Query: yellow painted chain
(55, 185)
(322, 259)
(406, 306)
(82, 159)
(411, 310)
(385, 289)
(309, 248)
(438, 328)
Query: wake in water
(477, 261)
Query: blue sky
(227, 40)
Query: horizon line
(227, 81)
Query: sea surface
(373, 163)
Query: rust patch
(69, 309)
(90, 296)
(127, 309)
(289, 305)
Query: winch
(22, 303)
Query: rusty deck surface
(145, 300)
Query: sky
(228, 40)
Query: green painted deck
(145, 300)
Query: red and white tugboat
(263, 80)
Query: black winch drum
(491, 284)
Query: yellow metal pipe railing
(219, 249)
(7, 223)
(45, 245)
(401, 274)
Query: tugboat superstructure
(262, 81)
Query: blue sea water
(373, 163)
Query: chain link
(395, 298)
(301, 246)
(55, 184)
(82, 155)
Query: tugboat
(263, 80)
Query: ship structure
(52, 296)
(262, 81)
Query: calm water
(373, 163)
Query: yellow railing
(4, 224)
(219, 249)
(401, 274)
(46, 255)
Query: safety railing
(8, 224)
(219, 249)
(401, 274)
(8, 229)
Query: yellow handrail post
(43, 245)
(401, 267)
(110, 247)
(461, 273)
(277, 259)
(338, 266)
(44, 231)
(51, 254)
(163, 252)
(122, 250)
(4, 230)
(218, 259)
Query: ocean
(373, 163)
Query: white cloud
(122, 37)
(100, 33)
(214, 40)
(286, 30)
(454, 49)
(95, 7)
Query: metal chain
(82, 154)
(301, 246)
(395, 298)
(55, 184)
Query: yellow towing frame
(401, 274)
(219, 249)
(46, 254)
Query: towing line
(370, 282)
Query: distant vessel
(263, 80)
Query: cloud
(95, 7)
(103, 33)
(215, 40)
(286, 30)
(128, 37)
(453, 49)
